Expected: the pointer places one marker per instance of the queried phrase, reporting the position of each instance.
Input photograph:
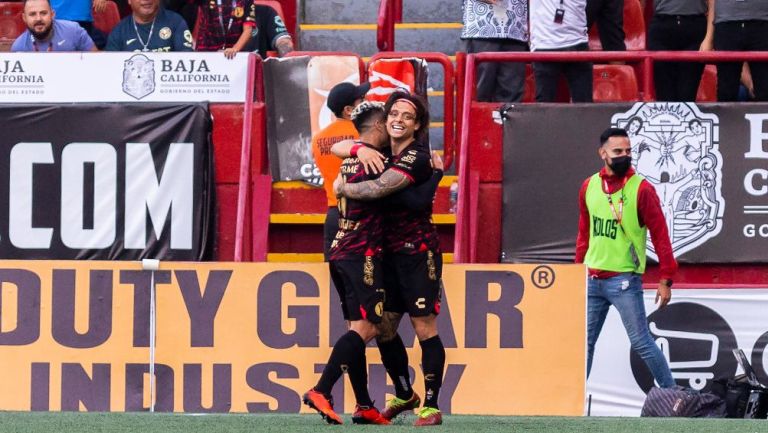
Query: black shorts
(414, 284)
(360, 285)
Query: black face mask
(620, 165)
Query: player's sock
(433, 363)
(358, 371)
(339, 361)
(395, 360)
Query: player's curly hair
(365, 113)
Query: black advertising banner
(708, 163)
(106, 181)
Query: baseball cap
(344, 94)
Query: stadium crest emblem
(139, 76)
(676, 148)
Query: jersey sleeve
(84, 42)
(182, 37)
(415, 164)
(275, 27)
(115, 39)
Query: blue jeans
(625, 292)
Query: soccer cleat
(323, 405)
(368, 415)
(428, 416)
(396, 406)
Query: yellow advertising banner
(253, 337)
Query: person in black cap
(341, 100)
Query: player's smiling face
(401, 120)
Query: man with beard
(150, 28)
(44, 33)
(413, 259)
(617, 209)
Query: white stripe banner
(697, 332)
(122, 77)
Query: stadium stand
(615, 83)
(107, 19)
(11, 25)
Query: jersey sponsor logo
(138, 76)
(165, 33)
(421, 303)
(675, 147)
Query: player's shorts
(414, 284)
(360, 285)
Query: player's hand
(663, 294)
(373, 161)
(99, 5)
(437, 161)
(338, 185)
(706, 45)
(230, 53)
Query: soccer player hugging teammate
(412, 260)
(355, 263)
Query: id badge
(559, 14)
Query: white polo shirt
(546, 34)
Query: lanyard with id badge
(560, 13)
(619, 215)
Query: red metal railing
(254, 92)
(390, 12)
(467, 220)
(449, 142)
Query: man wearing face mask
(617, 209)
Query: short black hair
(692, 121)
(422, 112)
(24, 3)
(612, 132)
(366, 113)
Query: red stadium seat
(11, 25)
(634, 28)
(108, 18)
(614, 83)
(529, 91)
(708, 86)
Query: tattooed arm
(389, 182)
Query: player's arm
(372, 160)
(419, 197)
(244, 38)
(390, 182)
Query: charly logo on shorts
(676, 148)
(139, 76)
(697, 343)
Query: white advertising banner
(696, 332)
(122, 77)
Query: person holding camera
(617, 209)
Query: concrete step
(361, 38)
(340, 11)
(431, 11)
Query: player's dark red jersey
(407, 231)
(360, 222)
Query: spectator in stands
(497, 25)
(80, 11)
(225, 26)
(45, 33)
(738, 25)
(186, 8)
(609, 17)
(269, 33)
(342, 99)
(611, 242)
(560, 26)
(150, 28)
(677, 25)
